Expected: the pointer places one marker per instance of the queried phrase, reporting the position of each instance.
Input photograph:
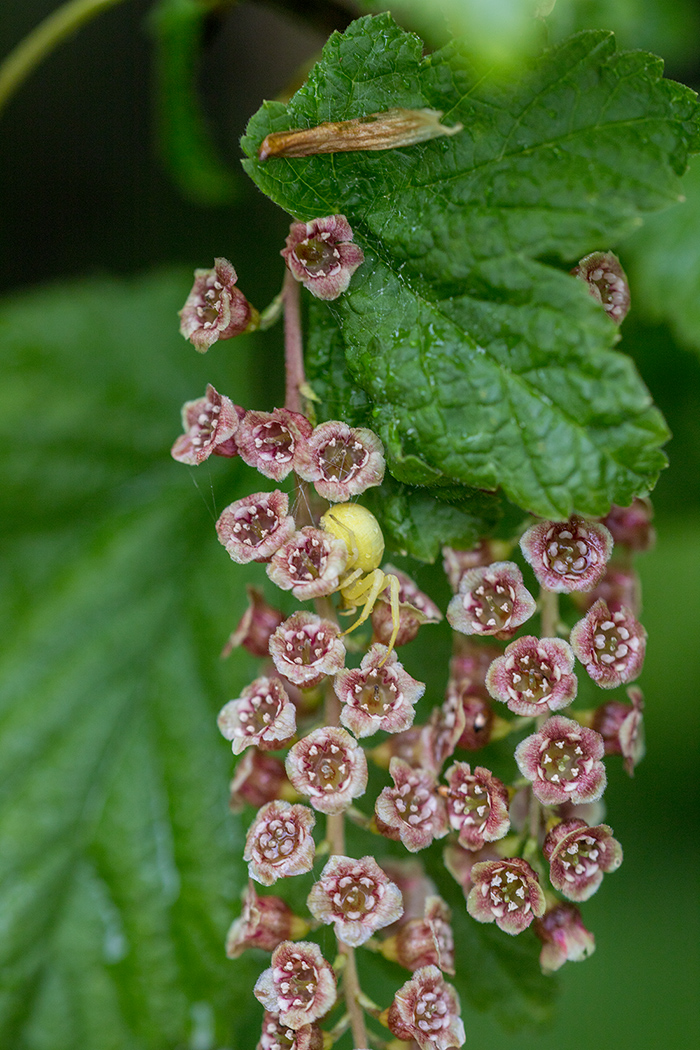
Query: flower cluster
(525, 847)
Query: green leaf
(664, 265)
(120, 864)
(484, 363)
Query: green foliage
(665, 262)
(120, 864)
(483, 362)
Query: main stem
(335, 822)
(549, 619)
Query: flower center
(508, 892)
(415, 804)
(317, 258)
(297, 982)
(277, 840)
(308, 562)
(469, 803)
(273, 441)
(583, 855)
(531, 681)
(259, 712)
(432, 1013)
(254, 524)
(209, 311)
(561, 761)
(354, 899)
(611, 641)
(493, 605)
(327, 767)
(342, 458)
(569, 554)
(378, 696)
(306, 648)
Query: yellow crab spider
(363, 580)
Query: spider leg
(394, 590)
(370, 586)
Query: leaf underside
(478, 358)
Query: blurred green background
(85, 194)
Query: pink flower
(491, 600)
(258, 778)
(341, 461)
(610, 645)
(306, 648)
(578, 856)
(255, 627)
(357, 897)
(415, 609)
(567, 556)
(379, 694)
(412, 810)
(310, 564)
(534, 676)
(607, 283)
(210, 423)
(506, 892)
(215, 309)
(299, 986)
(477, 805)
(264, 923)
(278, 1036)
(622, 728)
(564, 937)
(426, 1009)
(269, 441)
(563, 761)
(279, 842)
(631, 526)
(263, 716)
(329, 767)
(425, 941)
(320, 255)
(253, 528)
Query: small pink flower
(306, 648)
(310, 564)
(534, 676)
(320, 255)
(269, 441)
(477, 805)
(564, 937)
(415, 609)
(622, 728)
(426, 1010)
(341, 461)
(379, 694)
(425, 941)
(607, 283)
(610, 645)
(357, 897)
(456, 563)
(255, 627)
(563, 761)
(299, 986)
(210, 423)
(578, 856)
(329, 767)
(263, 923)
(279, 842)
(253, 528)
(506, 892)
(278, 1036)
(258, 778)
(567, 556)
(631, 526)
(491, 600)
(413, 810)
(215, 309)
(263, 716)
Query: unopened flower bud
(264, 923)
(256, 626)
(259, 778)
(622, 728)
(564, 937)
(631, 526)
(424, 941)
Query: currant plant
(456, 360)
